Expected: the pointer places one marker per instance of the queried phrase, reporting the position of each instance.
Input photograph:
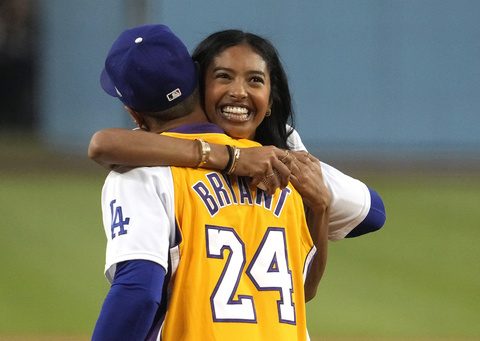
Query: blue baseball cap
(149, 69)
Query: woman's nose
(238, 90)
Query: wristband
(231, 157)
(236, 157)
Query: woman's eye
(257, 79)
(222, 75)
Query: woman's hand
(267, 166)
(307, 178)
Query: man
(228, 259)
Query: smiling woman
(256, 60)
(237, 91)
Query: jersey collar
(197, 128)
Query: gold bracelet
(204, 152)
(236, 157)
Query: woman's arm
(307, 178)
(318, 226)
(355, 208)
(115, 146)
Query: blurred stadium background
(386, 90)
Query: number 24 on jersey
(268, 271)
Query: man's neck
(196, 116)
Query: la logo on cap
(174, 94)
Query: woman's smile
(235, 113)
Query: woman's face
(237, 91)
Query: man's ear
(137, 118)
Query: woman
(251, 105)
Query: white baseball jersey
(127, 201)
(350, 198)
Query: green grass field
(417, 278)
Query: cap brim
(107, 84)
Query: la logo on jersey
(117, 219)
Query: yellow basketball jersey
(243, 256)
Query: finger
(302, 156)
(282, 168)
(261, 185)
(312, 158)
(269, 183)
(297, 167)
(306, 158)
(256, 181)
(282, 179)
(299, 153)
(283, 173)
(284, 156)
(303, 172)
(294, 180)
(275, 182)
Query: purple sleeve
(375, 218)
(129, 309)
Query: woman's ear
(269, 111)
